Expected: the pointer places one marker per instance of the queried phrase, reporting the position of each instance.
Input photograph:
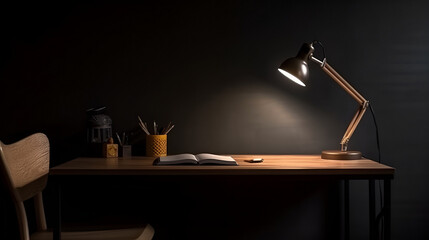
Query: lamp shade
(296, 68)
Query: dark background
(211, 68)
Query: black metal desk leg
(372, 215)
(387, 209)
(57, 222)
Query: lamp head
(296, 68)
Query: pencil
(119, 139)
(164, 131)
(154, 128)
(168, 130)
(143, 126)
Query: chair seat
(144, 233)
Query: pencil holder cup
(156, 145)
(125, 151)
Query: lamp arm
(363, 103)
(352, 127)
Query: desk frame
(288, 166)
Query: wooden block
(110, 149)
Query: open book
(202, 158)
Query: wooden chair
(24, 168)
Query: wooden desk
(293, 166)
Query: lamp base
(341, 155)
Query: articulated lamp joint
(322, 63)
(344, 145)
(365, 104)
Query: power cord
(376, 132)
(379, 217)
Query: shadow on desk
(208, 207)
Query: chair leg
(22, 221)
(40, 212)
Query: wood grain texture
(27, 160)
(305, 165)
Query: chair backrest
(24, 168)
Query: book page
(208, 158)
(177, 159)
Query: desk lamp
(296, 69)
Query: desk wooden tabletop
(304, 165)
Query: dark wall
(210, 67)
